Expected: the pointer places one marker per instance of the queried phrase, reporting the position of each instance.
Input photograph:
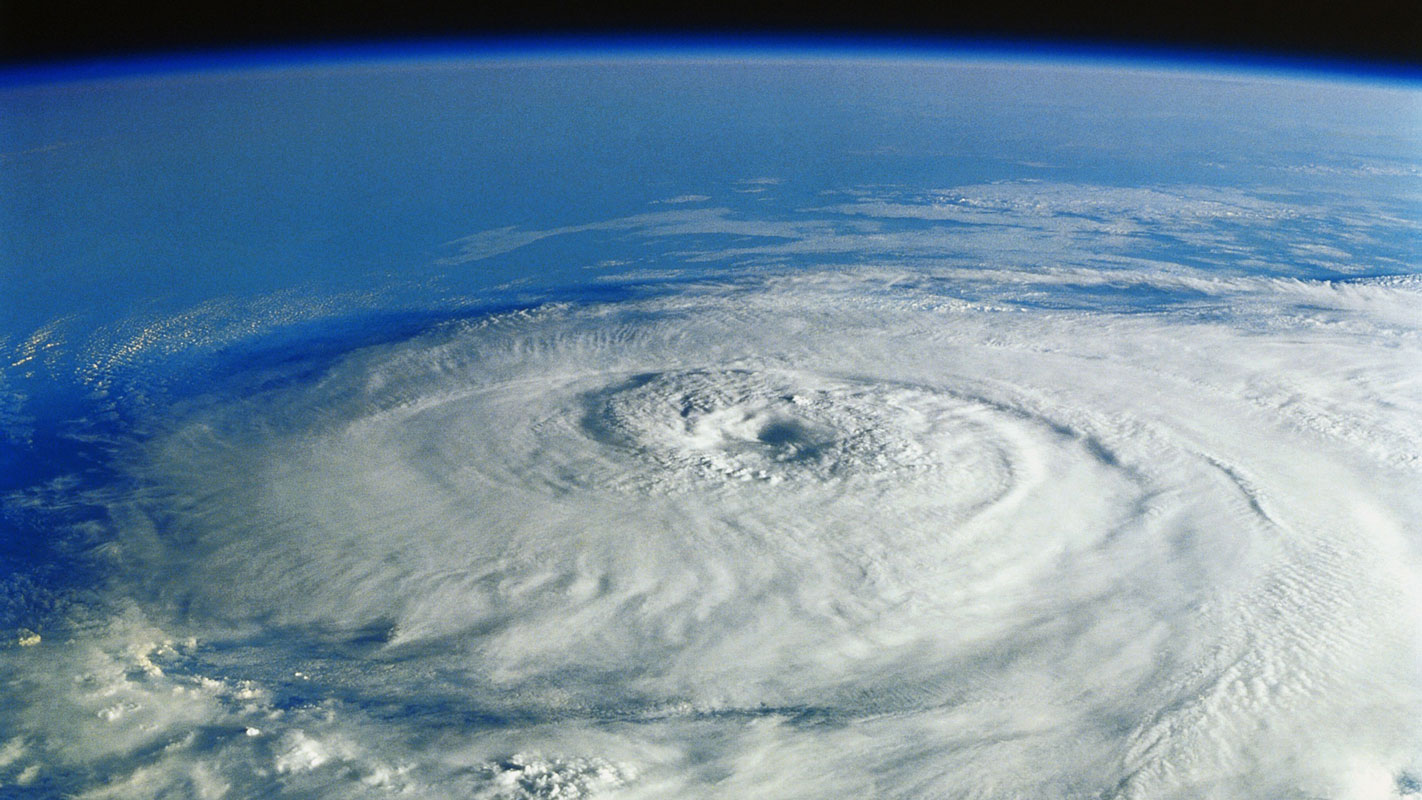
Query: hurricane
(1036, 486)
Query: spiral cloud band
(1012, 489)
(823, 533)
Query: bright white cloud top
(1021, 487)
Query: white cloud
(973, 541)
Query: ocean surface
(656, 423)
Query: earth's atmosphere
(757, 426)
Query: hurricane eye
(786, 433)
(710, 420)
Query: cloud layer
(866, 531)
(712, 429)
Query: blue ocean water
(283, 338)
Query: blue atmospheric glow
(730, 47)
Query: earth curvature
(763, 423)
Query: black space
(1380, 32)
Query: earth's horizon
(722, 421)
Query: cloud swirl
(806, 533)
